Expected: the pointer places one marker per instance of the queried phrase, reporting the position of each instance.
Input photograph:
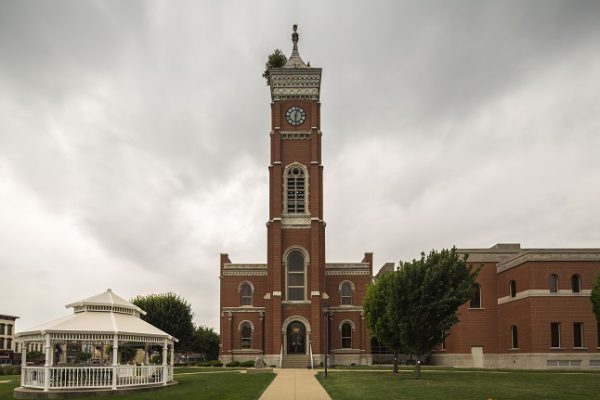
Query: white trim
(246, 282)
(306, 256)
(346, 321)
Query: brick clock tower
(275, 310)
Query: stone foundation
(522, 361)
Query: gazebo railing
(33, 377)
(133, 375)
(94, 377)
(83, 377)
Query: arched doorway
(296, 338)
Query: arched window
(512, 288)
(246, 294)
(553, 283)
(295, 190)
(476, 297)
(246, 335)
(346, 335)
(576, 283)
(295, 276)
(514, 337)
(346, 293)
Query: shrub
(213, 363)
(247, 364)
(233, 364)
(10, 370)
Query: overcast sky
(134, 136)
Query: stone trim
(544, 293)
(347, 265)
(244, 266)
(285, 135)
(348, 272)
(243, 309)
(244, 273)
(338, 309)
(533, 255)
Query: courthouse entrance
(296, 338)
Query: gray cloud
(134, 136)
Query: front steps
(295, 361)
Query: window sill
(580, 348)
(514, 349)
(295, 302)
(557, 348)
(476, 308)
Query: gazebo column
(115, 352)
(23, 361)
(172, 354)
(164, 361)
(47, 362)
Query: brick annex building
(531, 308)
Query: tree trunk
(418, 368)
(395, 371)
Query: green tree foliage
(275, 60)
(206, 340)
(410, 309)
(170, 313)
(595, 298)
(382, 322)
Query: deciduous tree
(595, 298)
(414, 306)
(170, 313)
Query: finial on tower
(295, 61)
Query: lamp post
(326, 313)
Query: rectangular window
(9, 344)
(555, 334)
(578, 334)
(9, 329)
(1, 329)
(598, 334)
(1, 343)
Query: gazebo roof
(103, 314)
(107, 298)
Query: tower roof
(295, 61)
(296, 79)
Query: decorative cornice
(347, 273)
(338, 309)
(244, 273)
(243, 309)
(244, 266)
(244, 270)
(291, 221)
(347, 266)
(295, 135)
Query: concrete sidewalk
(295, 384)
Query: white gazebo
(100, 324)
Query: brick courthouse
(531, 308)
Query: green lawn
(463, 385)
(227, 385)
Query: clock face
(295, 116)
